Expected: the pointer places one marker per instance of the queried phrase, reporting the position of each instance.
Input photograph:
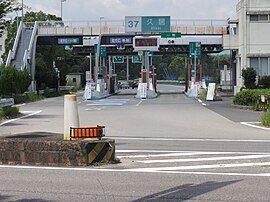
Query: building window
(264, 66)
(263, 17)
(74, 80)
(261, 65)
(1, 47)
(256, 18)
(254, 63)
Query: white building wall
(253, 38)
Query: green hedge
(29, 97)
(250, 96)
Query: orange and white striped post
(71, 116)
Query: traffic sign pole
(195, 63)
(127, 68)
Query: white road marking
(199, 167)
(19, 105)
(164, 151)
(95, 109)
(109, 102)
(251, 124)
(206, 159)
(28, 115)
(137, 105)
(105, 104)
(146, 151)
(175, 154)
(138, 171)
(192, 140)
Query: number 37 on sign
(133, 24)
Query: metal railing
(11, 53)
(121, 23)
(118, 26)
(27, 53)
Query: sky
(92, 10)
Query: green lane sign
(95, 48)
(171, 35)
(156, 23)
(118, 59)
(136, 59)
(195, 49)
(103, 52)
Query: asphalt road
(172, 148)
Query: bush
(30, 97)
(265, 119)
(249, 97)
(249, 74)
(9, 111)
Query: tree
(13, 81)
(6, 7)
(249, 74)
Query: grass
(265, 119)
(7, 112)
(203, 94)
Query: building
(74, 79)
(249, 39)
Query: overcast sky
(117, 9)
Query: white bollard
(71, 116)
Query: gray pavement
(172, 149)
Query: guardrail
(6, 102)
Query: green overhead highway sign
(103, 52)
(118, 59)
(136, 59)
(195, 49)
(156, 24)
(171, 35)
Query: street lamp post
(100, 18)
(22, 11)
(62, 8)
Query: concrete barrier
(46, 149)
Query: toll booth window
(146, 42)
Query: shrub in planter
(249, 97)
